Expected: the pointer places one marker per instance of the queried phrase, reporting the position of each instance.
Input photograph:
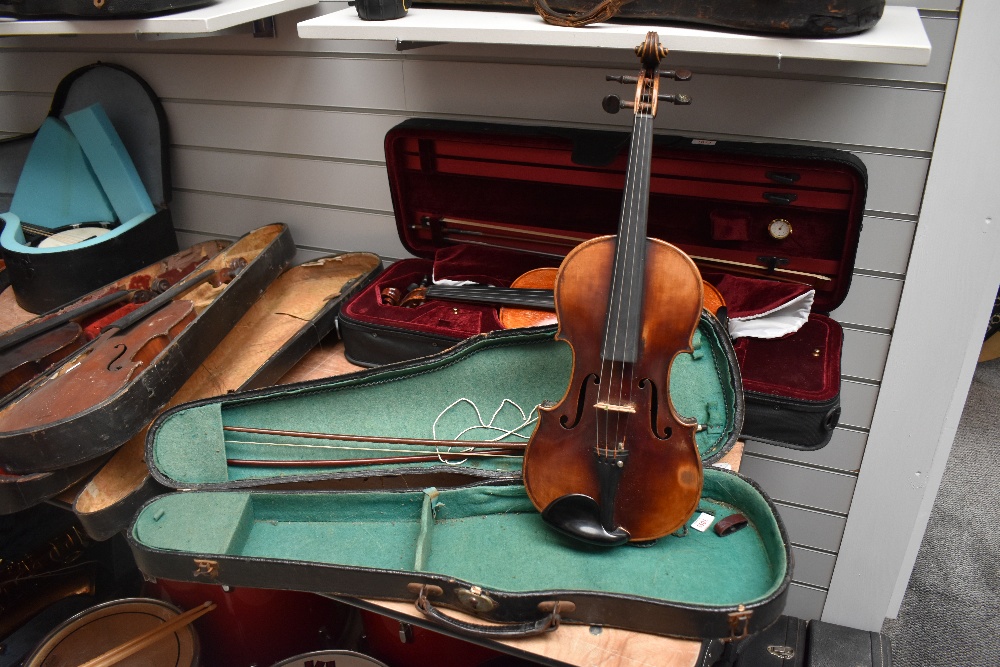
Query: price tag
(702, 523)
(703, 142)
(723, 465)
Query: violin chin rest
(579, 516)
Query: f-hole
(581, 401)
(122, 349)
(654, 403)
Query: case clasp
(206, 568)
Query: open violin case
(81, 322)
(95, 399)
(448, 528)
(123, 172)
(292, 316)
(771, 226)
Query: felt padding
(111, 163)
(57, 186)
(487, 535)
(497, 377)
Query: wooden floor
(569, 645)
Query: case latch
(475, 600)
(206, 568)
(739, 623)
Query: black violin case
(251, 510)
(805, 18)
(44, 279)
(85, 317)
(485, 203)
(146, 363)
(293, 315)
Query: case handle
(548, 623)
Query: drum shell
(252, 626)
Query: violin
(613, 462)
(123, 349)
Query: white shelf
(220, 15)
(898, 38)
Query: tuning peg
(679, 100)
(614, 104)
(677, 74)
(622, 79)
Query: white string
(526, 420)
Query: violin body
(27, 360)
(109, 364)
(512, 317)
(660, 482)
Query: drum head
(331, 659)
(99, 629)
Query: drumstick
(147, 639)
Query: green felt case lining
(475, 392)
(489, 535)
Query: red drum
(405, 645)
(331, 659)
(257, 627)
(95, 631)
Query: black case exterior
(516, 609)
(839, 646)
(45, 281)
(34, 9)
(812, 18)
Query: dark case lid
(544, 190)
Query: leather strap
(604, 11)
(730, 524)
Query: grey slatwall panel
(278, 177)
(864, 354)
(812, 528)
(885, 245)
(813, 567)
(780, 109)
(804, 602)
(857, 400)
(312, 226)
(800, 485)
(871, 302)
(843, 452)
(895, 184)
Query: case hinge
(739, 623)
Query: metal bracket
(408, 45)
(264, 27)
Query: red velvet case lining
(492, 266)
(468, 199)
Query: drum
(99, 629)
(330, 659)
(405, 645)
(255, 627)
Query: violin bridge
(615, 407)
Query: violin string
(608, 366)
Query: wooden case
(41, 428)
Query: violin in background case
(485, 202)
(44, 280)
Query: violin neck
(621, 333)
